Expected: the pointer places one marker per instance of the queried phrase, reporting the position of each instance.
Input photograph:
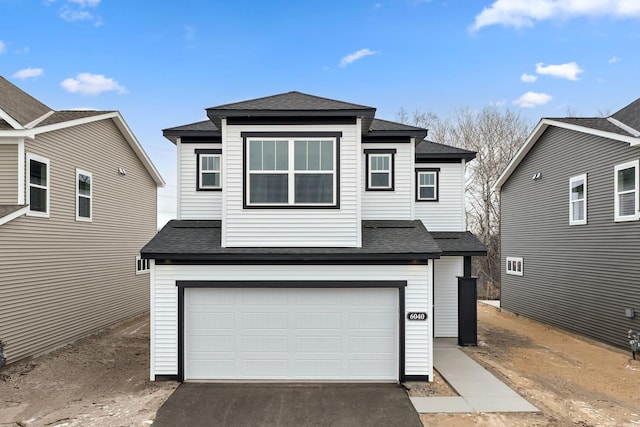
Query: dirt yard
(102, 380)
(572, 382)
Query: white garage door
(291, 334)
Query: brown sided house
(77, 202)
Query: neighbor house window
(142, 265)
(209, 169)
(427, 184)
(515, 266)
(291, 171)
(380, 174)
(39, 185)
(84, 192)
(626, 191)
(578, 200)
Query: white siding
(447, 214)
(389, 204)
(196, 204)
(291, 227)
(164, 327)
(445, 296)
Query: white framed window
(427, 180)
(142, 265)
(84, 195)
(380, 174)
(515, 266)
(39, 182)
(209, 169)
(626, 183)
(291, 172)
(578, 200)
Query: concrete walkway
(479, 390)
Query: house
(312, 243)
(77, 202)
(570, 226)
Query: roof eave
(259, 257)
(445, 156)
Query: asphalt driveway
(335, 405)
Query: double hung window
(626, 191)
(291, 171)
(380, 174)
(84, 193)
(578, 200)
(427, 185)
(209, 169)
(39, 185)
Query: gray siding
(8, 174)
(62, 279)
(580, 277)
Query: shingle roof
(599, 123)
(381, 240)
(21, 106)
(629, 115)
(292, 101)
(68, 115)
(204, 128)
(429, 150)
(461, 243)
(8, 210)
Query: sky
(161, 63)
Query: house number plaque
(417, 316)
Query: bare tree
(495, 136)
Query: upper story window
(427, 180)
(39, 185)
(380, 164)
(578, 200)
(84, 193)
(291, 171)
(209, 169)
(626, 191)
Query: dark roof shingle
(629, 115)
(598, 123)
(461, 243)
(429, 150)
(21, 106)
(291, 101)
(68, 115)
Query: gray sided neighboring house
(67, 274)
(567, 258)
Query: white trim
(388, 171)
(358, 182)
(178, 178)
(143, 266)
(78, 195)
(539, 130)
(44, 160)
(624, 127)
(14, 215)
(21, 170)
(573, 179)
(412, 180)
(38, 120)
(201, 172)
(223, 143)
(518, 262)
(434, 186)
(634, 217)
(7, 118)
(463, 199)
(152, 320)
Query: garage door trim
(400, 284)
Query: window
(84, 190)
(39, 185)
(578, 200)
(380, 174)
(291, 171)
(142, 265)
(515, 266)
(209, 170)
(427, 181)
(626, 191)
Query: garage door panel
(291, 334)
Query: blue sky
(161, 63)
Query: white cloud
(190, 32)
(377, 5)
(614, 59)
(85, 3)
(92, 84)
(353, 57)
(532, 99)
(528, 78)
(524, 13)
(3, 47)
(76, 10)
(28, 73)
(569, 71)
(70, 15)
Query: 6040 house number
(416, 316)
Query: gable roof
(429, 151)
(18, 106)
(28, 118)
(623, 126)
